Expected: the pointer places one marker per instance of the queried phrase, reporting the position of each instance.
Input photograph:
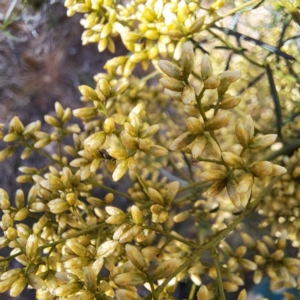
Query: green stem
(192, 292)
(179, 171)
(198, 99)
(95, 184)
(171, 236)
(142, 184)
(233, 11)
(215, 256)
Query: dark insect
(104, 154)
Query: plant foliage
(204, 161)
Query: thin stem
(150, 76)
(179, 171)
(95, 184)
(215, 161)
(198, 99)
(232, 12)
(192, 292)
(142, 184)
(193, 185)
(173, 237)
(215, 256)
(235, 50)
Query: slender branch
(116, 192)
(233, 11)
(172, 236)
(214, 255)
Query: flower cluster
(153, 185)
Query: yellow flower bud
(206, 67)
(198, 146)
(68, 289)
(195, 126)
(198, 23)
(212, 82)
(230, 287)
(122, 294)
(76, 247)
(234, 196)
(16, 125)
(242, 134)
(230, 102)
(216, 188)
(182, 141)
(166, 268)
(203, 293)
(262, 169)
(52, 121)
(170, 69)
(32, 245)
(10, 137)
(109, 125)
(156, 196)
(152, 35)
(218, 121)
(264, 141)
(131, 234)
(181, 216)
(90, 279)
(187, 58)
(182, 11)
(107, 248)
(233, 160)
(5, 153)
(86, 112)
(227, 77)
(17, 287)
(58, 206)
(96, 140)
(213, 175)
(135, 257)
(120, 170)
(88, 93)
(172, 84)
(137, 215)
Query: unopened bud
(172, 84)
(213, 175)
(88, 93)
(218, 121)
(86, 112)
(188, 95)
(195, 126)
(182, 141)
(170, 69)
(262, 169)
(166, 268)
(242, 134)
(187, 58)
(17, 287)
(233, 160)
(212, 82)
(68, 289)
(264, 141)
(156, 196)
(135, 257)
(230, 102)
(203, 293)
(206, 67)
